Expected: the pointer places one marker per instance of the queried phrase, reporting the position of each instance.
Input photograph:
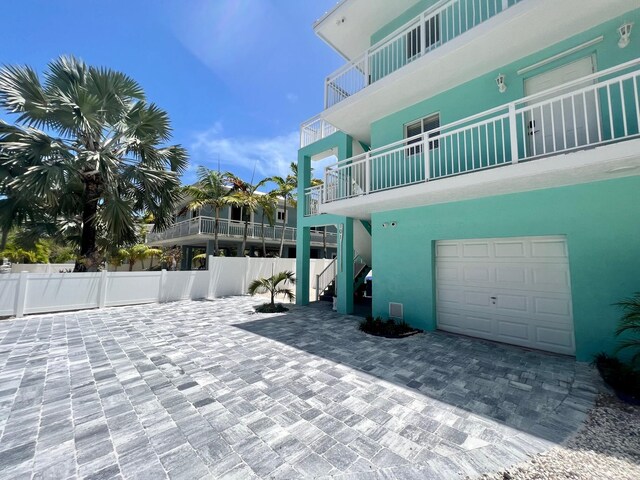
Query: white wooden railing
(594, 110)
(330, 274)
(234, 229)
(434, 27)
(315, 129)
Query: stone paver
(209, 390)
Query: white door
(563, 124)
(511, 290)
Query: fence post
(513, 130)
(21, 297)
(102, 290)
(163, 279)
(210, 286)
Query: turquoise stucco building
(487, 171)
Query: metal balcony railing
(594, 110)
(234, 229)
(436, 26)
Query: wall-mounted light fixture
(340, 21)
(625, 34)
(385, 225)
(502, 87)
(394, 224)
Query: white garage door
(512, 290)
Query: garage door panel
(447, 250)
(549, 249)
(476, 273)
(551, 277)
(556, 340)
(508, 331)
(474, 323)
(512, 275)
(511, 290)
(552, 306)
(518, 303)
(447, 274)
(514, 249)
(476, 250)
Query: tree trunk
(89, 231)
(215, 231)
(130, 266)
(5, 235)
(264, 246)
(244, 238)
(284, 226)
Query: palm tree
(268, 205)
(90, 146)
(272, 285)
(630, 323)
(137, 252)
(246, 196)
(286, 189)
(210, 189)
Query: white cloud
(269, 155)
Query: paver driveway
(209, 390)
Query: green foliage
(273, 286)
(621, 376)
(630, 326)
(133, 254)
(245, 195)
(388, 328)
(86, 147)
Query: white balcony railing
(234, 229)
(434, 27)
(593, 110)
(315, 129)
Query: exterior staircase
(326, 280)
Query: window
(281, 216)
(195, 213)
(427, 124)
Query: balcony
(433, 28)
(202, 228)
(315, 129)
(593, 111)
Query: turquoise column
(345, 266)
(303, 238)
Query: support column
(345, 266)
(303, 265)
(303, 238)
(210, 250)
(184, 260)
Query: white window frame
(422, 121)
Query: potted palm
(275, 285)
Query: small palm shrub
(275, 286)
(630, 324)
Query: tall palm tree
(286, 189)
(210, 189)
(91, 146)
(268, 204)
(245, 195)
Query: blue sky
(236, 76)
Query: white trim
(560, 55)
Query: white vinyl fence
(28, 293)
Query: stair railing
(324, 278)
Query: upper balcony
(450, 43)
(584, 130)
(433, 28)
(202, 228)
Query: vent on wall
(396, 311)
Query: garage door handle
(493, 298)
